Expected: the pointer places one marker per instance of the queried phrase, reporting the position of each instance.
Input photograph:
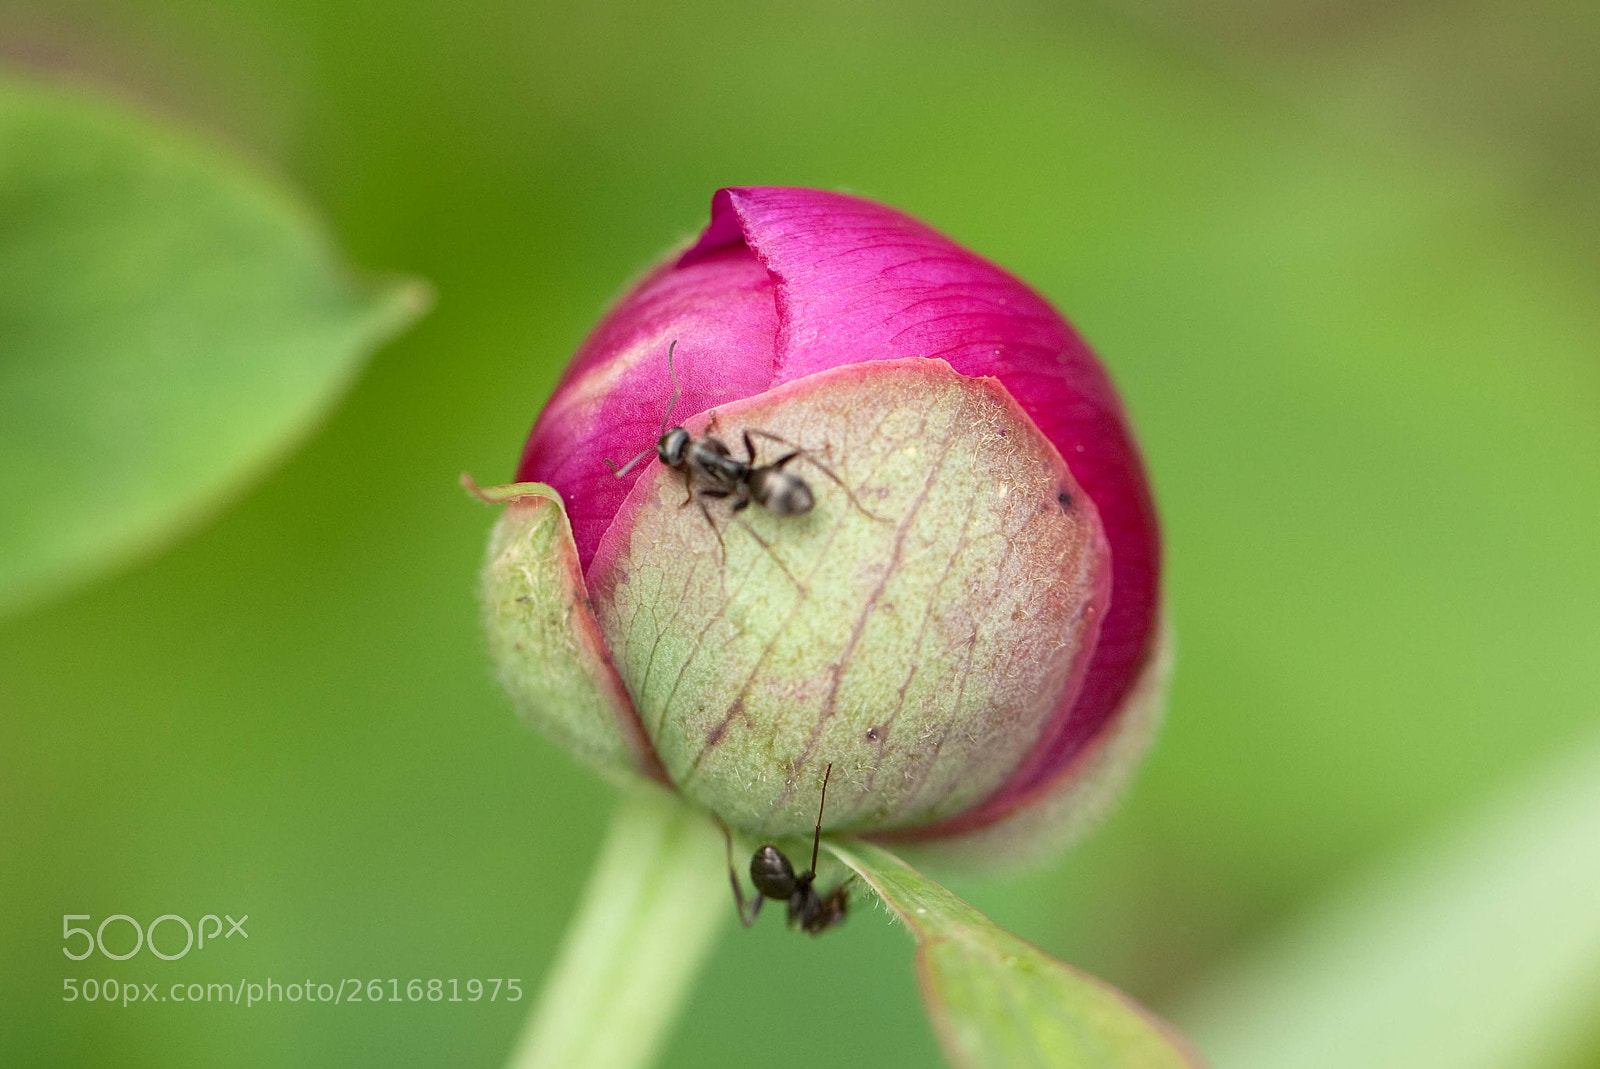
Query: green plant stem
(657, 897)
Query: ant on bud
(722, 475)
(774, 877)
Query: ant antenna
(672, 374)
(620, 472)
(816, 840)
(671, 404)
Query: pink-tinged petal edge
(826, 280)
(610, 402)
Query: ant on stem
(775, 878)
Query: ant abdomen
(772, 874)
(781, 493)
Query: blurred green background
(1341, 258)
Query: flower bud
(927, 555)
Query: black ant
(723, 475)
(775, 878)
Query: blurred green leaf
(170, 322)
(1481, 953)
(998, 1001)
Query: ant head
(772, 874)
(672, 447)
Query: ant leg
(744, 498)
(706, 512)
(688, 489)
(764, 544)
(780, 439)
(738, 892)
(810, 455)
(776, 465)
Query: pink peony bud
(966, 622)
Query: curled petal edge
(1062, 811)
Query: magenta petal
(859, 281)
(612, 399)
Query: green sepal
(999, 1002)
(546, 646)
